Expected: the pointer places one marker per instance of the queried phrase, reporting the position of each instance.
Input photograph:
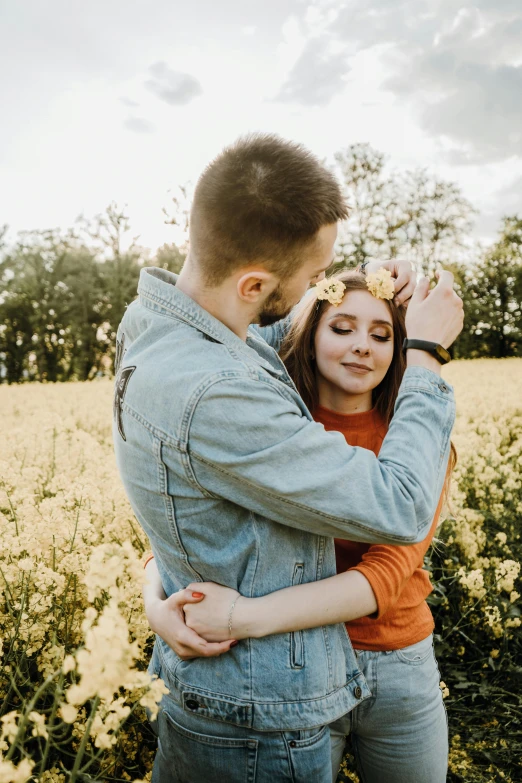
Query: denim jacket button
(358, 692)
(191, 704)
(443, 387)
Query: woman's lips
(360, 369)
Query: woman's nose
(361, 349)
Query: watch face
(442, 354)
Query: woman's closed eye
(380, 337)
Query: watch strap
(436, 350)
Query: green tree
(401, 214)
(492, 294)
(120, 257)
(34, 334)
(50, 309)
(169, 256)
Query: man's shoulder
(178, 367)
(173, 370)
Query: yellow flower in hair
(380, 284)
(332, 290)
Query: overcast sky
(111, 100)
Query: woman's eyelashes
(338, 330)
(380, 337)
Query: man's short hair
(262, 200)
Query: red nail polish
(234, 644)
(198, 595)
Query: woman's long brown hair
(297, 352)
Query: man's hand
(436, 315)
(167, 619)
(405, 278)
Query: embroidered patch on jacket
(122, 381)
(120, 353)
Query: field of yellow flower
(73, 639)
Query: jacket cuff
(421, 379)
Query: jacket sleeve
(249, 442)
(389, 568)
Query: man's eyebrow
(378, 321)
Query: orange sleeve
(388, 568)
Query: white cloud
(129, 102)
(459, 68)
(174, 87)
(77, 118)
(317, 76)
(139, 125)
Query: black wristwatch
(436, 350)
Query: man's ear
(255, 285)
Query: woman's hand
(166, 618)
(209, 618)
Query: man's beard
(275, 308)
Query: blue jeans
(195, 749)
(400, 734)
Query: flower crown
(380, 284)
(332, 290)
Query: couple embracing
(288, 463)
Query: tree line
(63, 293)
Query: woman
(344, 354)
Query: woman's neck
(337, 400)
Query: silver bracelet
(230, 615)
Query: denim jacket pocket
(297, 637)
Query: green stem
(97, 756)
(13, 512)
(25, 717)
(76, 525)
(51, 722)
(83, 744)
(18, 619)
(463, 617)
(138, 539)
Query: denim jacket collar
(158, 291)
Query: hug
(288, 455)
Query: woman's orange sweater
(396, 573)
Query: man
(232, 480)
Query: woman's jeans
(195, 749)
(400, 734)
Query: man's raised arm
(271, 459)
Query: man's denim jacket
(233, 482)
